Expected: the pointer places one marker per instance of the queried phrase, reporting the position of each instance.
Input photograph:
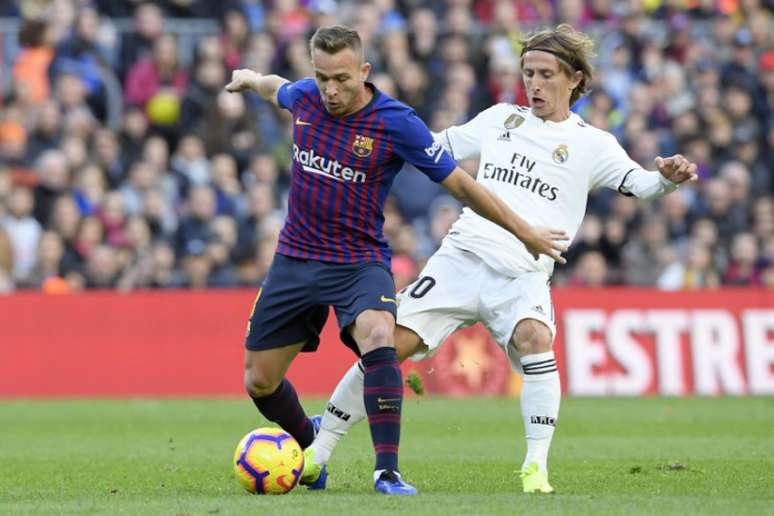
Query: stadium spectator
(158, 82)
(164, 272)
(23, 230)
(194, 231)
(48, 266)
(66, 222)
(744, 267)
(6, 261)
(591, 270)
(30, 70)
(148, 26)
(646, 256)
(696, 271)
(82, 55)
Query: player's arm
(646, 184)
(266, 86)
(614, 169)
(537, 240)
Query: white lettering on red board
(727, 354)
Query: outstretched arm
(482, 201)
(673, 171)
(265, 85)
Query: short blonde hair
(573, 49)
(335, 38)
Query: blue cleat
(319, 478)
(390, 483)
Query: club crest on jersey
(363, 146)
(561, 154)
(513, 121)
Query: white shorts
(457, 289)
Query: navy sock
(282, 407)
(383, 394)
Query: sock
(540, 397)
(383, 395)
(345, 408)
(282, 407)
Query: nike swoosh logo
(301, 122)
(387, 300)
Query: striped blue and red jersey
(343, 168)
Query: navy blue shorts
(293, 302)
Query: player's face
(341, 80)
(549, 88)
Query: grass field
(620, 456)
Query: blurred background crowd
(124, 164)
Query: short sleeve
(464, 141)
(612, 164)
(414, 143)
(290, 92)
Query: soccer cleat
(390, 483)
(314, 475)
(534, 480)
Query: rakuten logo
(316, 164)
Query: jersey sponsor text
(314, 163)
(514, 174)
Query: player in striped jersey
(543, 159)
(349, 142)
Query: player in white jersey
(543, 161)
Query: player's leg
(347, 405)
(273, 394)
(363, 297)
(519, 313)
(285, 320)
(383, 396)
(382, 383)
(540, 398)
(429, 310)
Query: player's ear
(576, 79)
(364, 71)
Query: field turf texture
(610, 456)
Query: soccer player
(543, 160)
(349, 142)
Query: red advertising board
(609, 342)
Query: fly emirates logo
(315, 164)
(517, 173)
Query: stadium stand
(124, 164)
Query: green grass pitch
(610, 456)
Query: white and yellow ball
(268, 461)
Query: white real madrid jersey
(543, 170)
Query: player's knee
(530, 337)
(259, 385)
(374, 329)
(379, 335)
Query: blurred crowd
(124, 164)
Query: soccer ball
(268, 461)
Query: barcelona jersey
(343, 168)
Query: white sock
(540, 397)
(345, 408)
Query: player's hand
(677, 169)
(547, 241)
(243, 80)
